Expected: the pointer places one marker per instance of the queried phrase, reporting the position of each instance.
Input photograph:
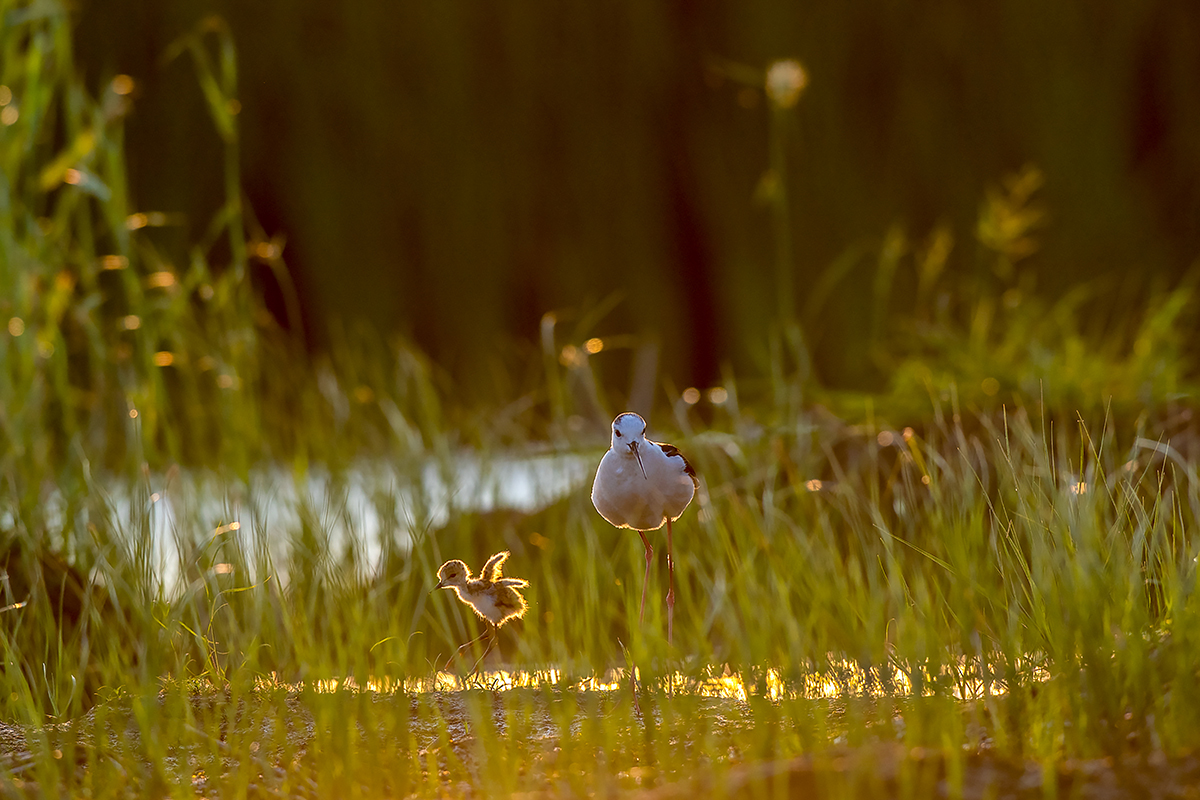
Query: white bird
(643, 485)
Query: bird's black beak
(634, 447)
(439, 586)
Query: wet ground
(552, 735)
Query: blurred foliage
(453, 171)
(116, 349)
(143, 336)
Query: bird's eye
(618, 433)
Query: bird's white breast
(628, 499)
(483, 603)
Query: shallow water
(359, 508)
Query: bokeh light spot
(786, 79)
(16, 326)
(160, 280)
(571, 356)
(691, 395)
(122, 85)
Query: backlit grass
(219, 555)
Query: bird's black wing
(671, 450)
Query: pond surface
(357, 508)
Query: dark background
(453, 170)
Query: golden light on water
(691, 395)
(843, 679)
(164, 358)
(594, 345)
(813, 486)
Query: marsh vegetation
(219, 548)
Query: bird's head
(628, 435)
(453, 573)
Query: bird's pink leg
(458, 652)
(646, 579)
(491, 643)
(671, 585)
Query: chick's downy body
(493, 597)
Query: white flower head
(786, 79)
